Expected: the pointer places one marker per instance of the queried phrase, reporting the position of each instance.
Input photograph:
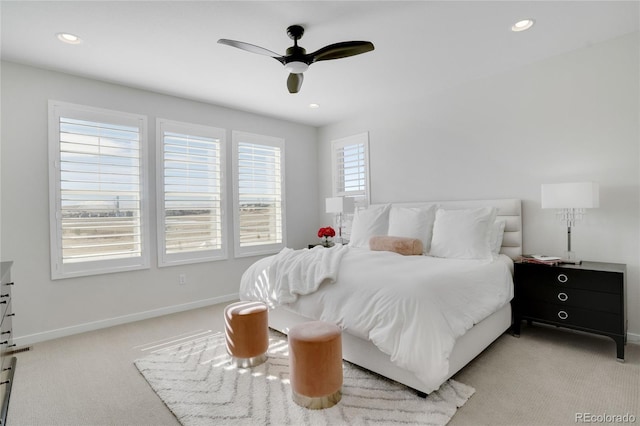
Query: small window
(97, 178)
(191, 206)
(351, 168)
(258, 194)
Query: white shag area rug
(197, 383)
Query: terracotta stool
(315, 364)
(246, 330)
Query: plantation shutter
(350, 166)
(97, 178)
(259, 193)
(192, 227)
(351, 170)
(350, 161)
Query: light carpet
(197, 383)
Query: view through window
(98, 191)
(259, 181)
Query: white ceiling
(420, 46)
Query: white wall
(47, 308)
(570, 118)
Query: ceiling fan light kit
(296, 67)
(297, 61)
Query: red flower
(326, 232)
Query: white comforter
(412, 308)
(291, 273)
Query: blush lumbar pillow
(463, 234)
(401, 245)
(367, 223)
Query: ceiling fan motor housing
(296, 61)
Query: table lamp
(571, 200)
(339, 206)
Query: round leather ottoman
(247, 334)
(315, 364)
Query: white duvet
(412, 308)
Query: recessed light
(522, 25)
(69, 38)
(314, 106)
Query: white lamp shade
(339, 205)
(581, 195)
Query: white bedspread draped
(291, 273)
(412, 308)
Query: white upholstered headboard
(509, 209)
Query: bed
(401, 340)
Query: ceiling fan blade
(341, 50)
(294, 82)
(252, 48)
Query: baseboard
(633, 338)
(30, 339)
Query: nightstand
(588, 297)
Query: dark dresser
(589, 297)
(7, 362)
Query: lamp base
(570, 258)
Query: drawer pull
(563, 315)
(563, 297)
(563, 278)
(5, 295)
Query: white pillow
(497, 232)
(463, 234)
(412, 222)
(368, 223)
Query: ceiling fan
(296, 61)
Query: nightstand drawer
(574, 317)
(5, 300)
(564, 296)
(6, 332)
(590, 280)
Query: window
(98, 191)
(191, 207)
(258, 194)
(351, 168)
(350, 160)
